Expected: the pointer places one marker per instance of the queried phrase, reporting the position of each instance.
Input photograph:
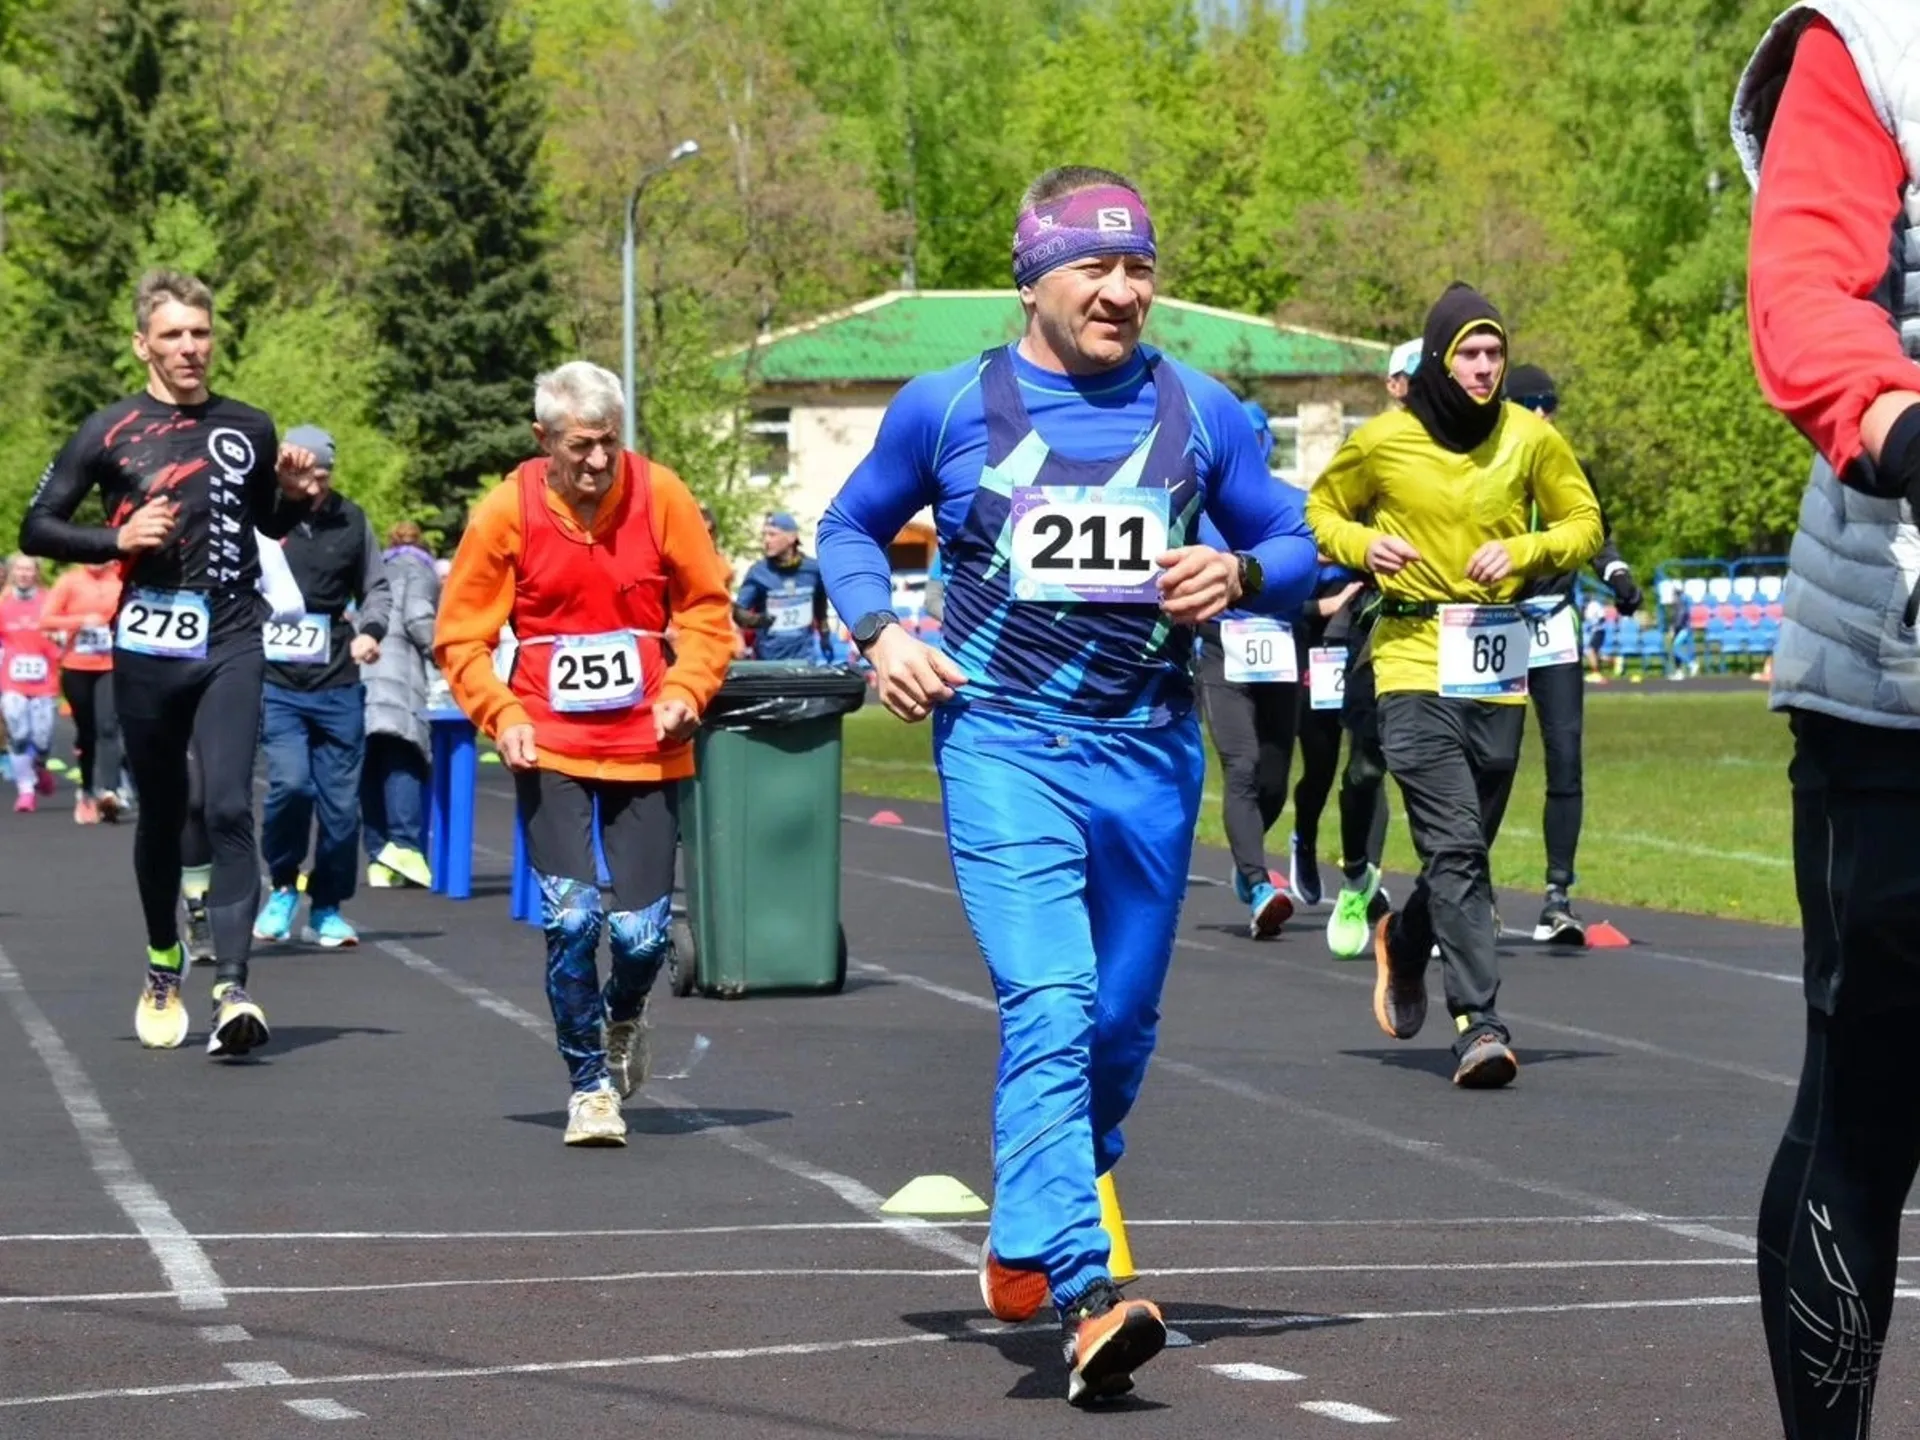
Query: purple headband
(1103, 220)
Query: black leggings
(1318, 741)
(638, 826)
(196, 846)
(1363, 789)
(212, 705)
(1830, 1219)
(1559, 703)
(96, 728)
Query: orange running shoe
(1011, 1294)
(1108, 1338)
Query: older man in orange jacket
(586, 551)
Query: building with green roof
(821, 386)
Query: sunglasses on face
(1539, 404)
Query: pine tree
(111, 177)
(464, 303)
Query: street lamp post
(685, 150)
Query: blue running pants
(1070, 848)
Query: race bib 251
(594, 672)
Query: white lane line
(1364, 1130)
(1350, 977)
(1192, 879)
(1341, 1410)
(1598, 1037)
(827, 1226)
(190, 1274)
(323, 1410)
(619, 1277)
(259, 1372)
(1569, 1195)
(1637, 952)
(1254, 1372)
(882, 1342)
(858, 1196)
(224, 1334)
(932, 987)
(484, 1372)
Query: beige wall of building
(828, 435)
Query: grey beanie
(312, 437)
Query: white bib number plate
(1483, 651)
(1327, 676)
(1259, 652)
(788, 616)
(171, 624)
(306, 641)
(1095, 543)
(1556, 636)
(93, 640)
(594, 672)
(27, 669)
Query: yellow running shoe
(409, 864)
(160, 1020)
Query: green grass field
(1687, 805)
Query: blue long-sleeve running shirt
(1000, 448)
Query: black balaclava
(1454, 419)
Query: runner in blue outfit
(1067, 473)
(782, 601)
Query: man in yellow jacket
(1435, 500)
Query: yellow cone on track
(934, 1195)
(1120, 1256)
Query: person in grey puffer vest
(1827, 124)
(393, 790)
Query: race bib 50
(1259, 651)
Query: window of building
(1284, 462)
(769, 456)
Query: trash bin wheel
(840, 965)
(683, 961)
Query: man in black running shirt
(184, 476)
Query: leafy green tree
(316, 363)
(463, 300)
(131, 139)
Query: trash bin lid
(761, 693)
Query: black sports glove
(1626, 593)
(1900, 466)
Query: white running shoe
(593, 1118)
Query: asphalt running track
(374, 1227)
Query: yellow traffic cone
(1120, 1256)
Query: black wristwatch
(867, 628)
(1252, 577)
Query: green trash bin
(760, 834)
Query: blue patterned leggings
(637, 828)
